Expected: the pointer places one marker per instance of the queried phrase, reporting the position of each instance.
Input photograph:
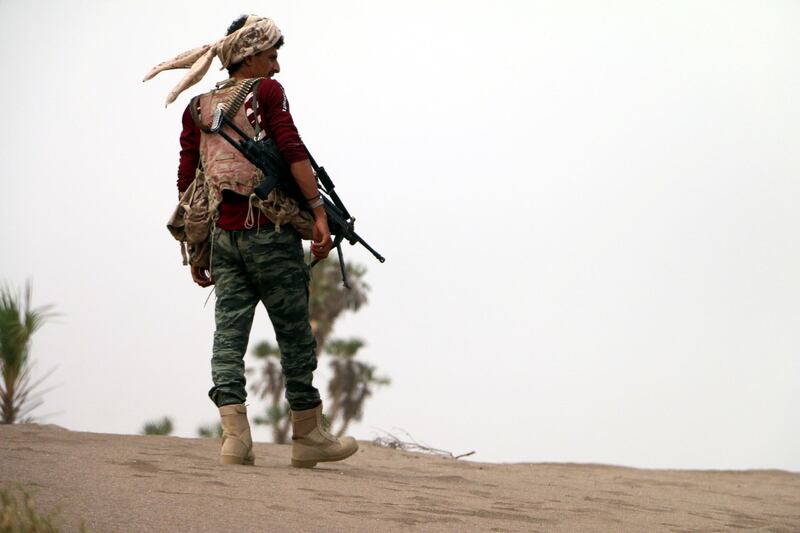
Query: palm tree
(18, 322)
(328, 299)
(351, 384)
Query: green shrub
(18, 514)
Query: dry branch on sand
(389, 440)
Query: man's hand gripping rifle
(265, 156)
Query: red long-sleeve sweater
(276, 122)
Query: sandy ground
(148, 483)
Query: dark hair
(237, 25)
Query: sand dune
(146, 483)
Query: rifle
(265, 156)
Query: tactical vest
(225, 168)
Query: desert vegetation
(20, 393)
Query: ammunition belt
(230, 107)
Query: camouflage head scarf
(257, 34)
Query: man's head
(261, 63)
(252, 43)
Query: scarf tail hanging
(258, 34)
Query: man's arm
(304, 176)
(278, 123)
(190, 151)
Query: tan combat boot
(237, 445)
(311, 444)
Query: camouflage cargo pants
(263, 265)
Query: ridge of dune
(169, 484)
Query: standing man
(251, 259)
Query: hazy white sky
(588, 211)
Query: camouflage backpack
(191, 223)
